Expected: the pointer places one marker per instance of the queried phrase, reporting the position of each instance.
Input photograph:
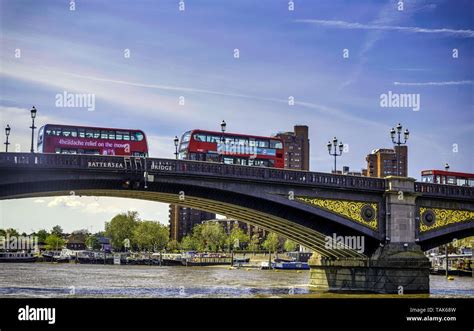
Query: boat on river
(17, 257)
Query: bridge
(397, 217)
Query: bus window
(212, 157)
(427, 179)
(242, 142)
(96, 134)
(471, 182)
(262, 143)
(276, 144)
(451, 180)
(228, 160)
(74, 133)
(183, 146)
(212, 139)
(89, 133)
(139, 136)
(186, 137)
(56, 131)
(66, 132)
(118, 135)
(81, 133)
(103, 134)
(111, 134)
(462, 181)
(252, 142)
(200, 137)
(126, 135)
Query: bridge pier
(397, 267)
(393, 268)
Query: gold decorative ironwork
(444, 217)
(346, 208)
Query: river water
(45, 280)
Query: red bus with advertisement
(69, 139)
(232, 148)
(447, 177)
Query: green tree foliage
(290, 246)
(12, 233)
(173, 246)
(150, 235)
(121, 227)
(42, 235)
(54, 242)
(210, 236)
(189, 243)
(272, 242)
(92, 242)
(239, 237)
(254, 244)
(57, 230)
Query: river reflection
(45, 280)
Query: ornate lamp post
(223, 127)
(176, 141)
(7, 133)
(334, 146)
(399, 142)
(33, 127)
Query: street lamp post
(399, 142)
(223, 127)
(446, 167)
(335, 153)
(33, 127)
(176, 141)
(7, 133)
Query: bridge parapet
(439, 190)
(158, 166)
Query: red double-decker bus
(69, 139)
(447, 177)
(232, 148)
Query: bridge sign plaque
(96, 164)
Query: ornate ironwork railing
(439, 190)
(172, 166)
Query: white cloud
(460, 82)
(410, 29)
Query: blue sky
(283, 53)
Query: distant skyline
(142, 59)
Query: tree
(254, 244)
(92, 242)
(237, 235)
(121, 227)
(57, 230)
(210, 236)
(12, 232)
(173, 246)
(271, 243)
(189, 243)
(42, 235)
(150, 235)
(54, 242)
(79, 235)
(290, 246)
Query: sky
(238, 61)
